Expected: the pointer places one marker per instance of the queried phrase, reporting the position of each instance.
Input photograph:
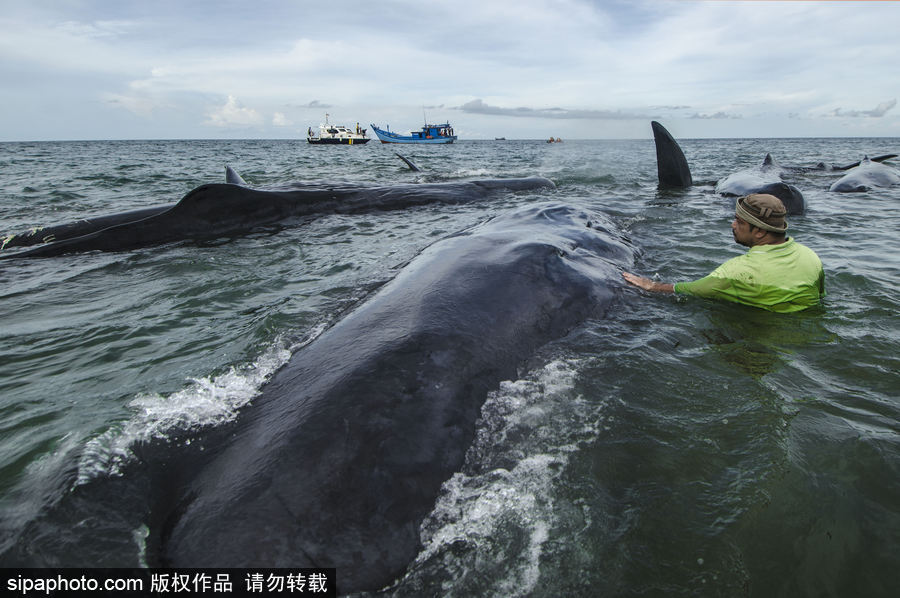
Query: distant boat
(552, 140)
(337, 134)
(429, 134)
(499, 138)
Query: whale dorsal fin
(671, 165)
(233, 177)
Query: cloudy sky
(191, 69)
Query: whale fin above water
(673, 171)
(671, 165)
(827, 167)
(875, 159)
(410, 163)
(233, 177)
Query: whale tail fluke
(671, 164)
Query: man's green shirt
(785, 277)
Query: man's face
(742, 231)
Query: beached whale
(345, 450)
(673, 171)
(343, 453)
(827, 167)
(764, 179)
(868, 175)
(234, 208)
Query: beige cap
(763, 211)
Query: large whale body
(232, 208)
(343, 453)
(868, 175)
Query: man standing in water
(777, 273)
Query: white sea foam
(474, 172)
(208, 401)
(502, 508)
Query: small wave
(204, 402)
(586, 179)
(474, 173)
(109, 181)
(63, 195)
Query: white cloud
(479, 107)
(96, 29)
(232, 114)
(139, 105)
(879, 111)
(537, 60)
(280, 120)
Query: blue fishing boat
(429, 134)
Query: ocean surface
(673, 447)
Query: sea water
(670, 446)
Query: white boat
(337, 134)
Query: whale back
(344, 452)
